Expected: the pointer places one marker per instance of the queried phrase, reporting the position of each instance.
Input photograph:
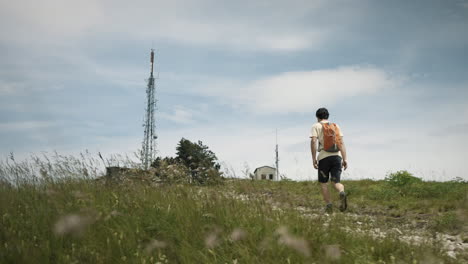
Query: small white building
(264, 173)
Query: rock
(398, 231)
(452, 254)
(450, 247)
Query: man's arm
(313, 150)
(343, 154)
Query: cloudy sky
(393, 74)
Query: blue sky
(392, 73)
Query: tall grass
(64, 216)
(50, 167)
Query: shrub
(169, 170)
(447, 222)
(381, 192)
(401, 178)
(458, 180)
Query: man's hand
(315, 164)
(344, 164)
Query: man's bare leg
(339, 187)
(325, 192)
(344, 203)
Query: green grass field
(80, 220)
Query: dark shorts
(329, 166)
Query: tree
(202, 162)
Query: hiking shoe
(344, 201)
(329, 208)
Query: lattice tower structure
(149, 139)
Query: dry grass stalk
(298, 244)
(72, 224)
(154, 244)
(212, 239)
(332, 252)
(238, 234)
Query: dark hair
(322, 113)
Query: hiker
(331, 158)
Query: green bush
(447, 222)
(401, 178)
(379, 192)
(397, 184)
(171, 171)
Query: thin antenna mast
(148, 152)
(277, 159)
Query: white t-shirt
(316, 131)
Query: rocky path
(412, 230)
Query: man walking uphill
(327, 138)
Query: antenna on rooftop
(148, 152)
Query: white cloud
(10, 88)
(51, 21)
(180, 115)
(24, 87)
(271, 26)
(24, 125)
(245, 25)
(302, 91)
(463, 4)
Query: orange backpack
(331, 137)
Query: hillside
(239, 221)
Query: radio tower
(148, 152)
